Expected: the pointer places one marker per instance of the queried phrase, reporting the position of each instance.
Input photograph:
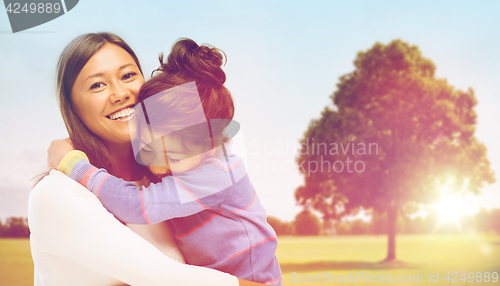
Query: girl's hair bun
(202, 63)
(189, 62)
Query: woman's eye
(128, 76)
(97, 85)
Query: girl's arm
(180, 196)
(67, 220)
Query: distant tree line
(307, 223)
(14, 227)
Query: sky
(284, 61)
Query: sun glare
(451, 208)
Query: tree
(280, 227)
(330, 227)
(379, 223)
(2, 229)
(306, 223)
(358, 226)
(417, 225)
(16, 227)
(487, 221)
(394, 138)
(481, 220)
(343, 228)
(495, 220)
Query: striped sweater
(212, 211)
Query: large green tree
(395, 135)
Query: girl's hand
(57, 150)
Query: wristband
(69, 161)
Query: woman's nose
(119, 94)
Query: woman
(74, 240)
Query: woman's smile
(122, 115)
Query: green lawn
(342, 255)
(16, 265)
(417, 255)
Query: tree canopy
(395, 136)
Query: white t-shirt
(76, 241)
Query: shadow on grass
(345, 265)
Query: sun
(450, 208)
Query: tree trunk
(392, 216)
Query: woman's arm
(159, 235)
(68, 220)
(36, 278)
(180, 196)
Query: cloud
(17, 169)
(14, 201)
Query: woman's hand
(57, 150)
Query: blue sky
(284, 60)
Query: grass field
(331, 258)
(417, 255)
(16, 265)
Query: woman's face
(105, 92)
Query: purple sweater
(213, 212)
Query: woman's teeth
(122, 114)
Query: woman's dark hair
(188, 62)
(71, 62)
